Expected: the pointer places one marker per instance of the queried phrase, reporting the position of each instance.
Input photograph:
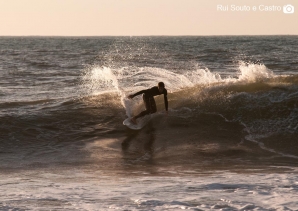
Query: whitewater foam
(253, 72)
(90, 190)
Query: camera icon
(288, 9)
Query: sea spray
(253, 72)
(96, 80)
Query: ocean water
(229, 141)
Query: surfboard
(140, 123)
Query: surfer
(148, 97)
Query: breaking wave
(261, 101)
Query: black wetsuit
(148, 97)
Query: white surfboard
(140, 123)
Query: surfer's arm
(136, 94)
(165, 96)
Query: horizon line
(147, 35)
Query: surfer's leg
(143, 113)
(152, 105)
(147, 106)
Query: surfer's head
(161, 87)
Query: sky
(146, 17)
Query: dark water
(230, 98)
(229, 141)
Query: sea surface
(229, 141)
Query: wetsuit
(148, 97)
